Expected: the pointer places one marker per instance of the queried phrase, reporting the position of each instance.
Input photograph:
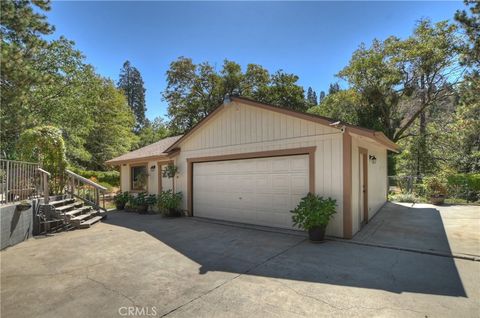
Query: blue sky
(313, 40)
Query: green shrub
(434, 186)
(108, 179)
(169, 203)
(313, 211)
(464, 186)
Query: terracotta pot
(437, 199)
(120, 206)
(142, 209)
(316, 234)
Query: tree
(471, 25)
(321, 97)
(21, 28)
(399, 80)
(343, 105)
(194, 90)
(111, 134)
(311, 97)
(153, 131)
(44, 144)
(131, 83)
(333, 88)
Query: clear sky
(313, 40)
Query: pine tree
(311, 97)
(333, 88)
(322, 96)
(131, 83)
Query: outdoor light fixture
(373, 158)
(152, 167)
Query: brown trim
(364, 152)
(347, 184)
(144, 164)
(140, 160)
(310, 151)
(375, 135)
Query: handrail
(82, 193)
(44, 172)
(88, 181)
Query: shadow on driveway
(226, 248)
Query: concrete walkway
(186, 268)
(449, 230)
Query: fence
(403, 184)
(21, 180)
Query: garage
(251, 163)
(258, 191)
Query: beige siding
(377, 178)
(240, 128)
(125, 178)
(152, 178)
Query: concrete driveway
(448, 230)
(144, 265)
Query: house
(251, 162)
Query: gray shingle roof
(155, 149)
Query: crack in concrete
(347, 308)
(110, 289)
(233, 278)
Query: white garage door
(257, 191)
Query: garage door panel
(258, 191)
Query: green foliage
(151, 132)
(313, 211)
(131, 84)
(470, 23)
(311, 97)
(434, 186)
(45, 145)
(47, 83)
(169, 203)
(464, 186)
(122, 198)
(142, 201)
(194, 90)
(111, 178)
(342, 105)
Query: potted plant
(140, 203)
(170, 172)
(435, 189)
(169, 203)
(121, 200)
(313, 214)
(151, 200)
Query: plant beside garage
(313, 214)
(169, 203)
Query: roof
(157, 149)
(375, 135)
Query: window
(139, 178)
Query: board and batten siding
(377, 179)
(240, 128)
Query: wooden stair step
(68, 207)
(62, 202)
(82, 217)
(78, 211)
(89, 222)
